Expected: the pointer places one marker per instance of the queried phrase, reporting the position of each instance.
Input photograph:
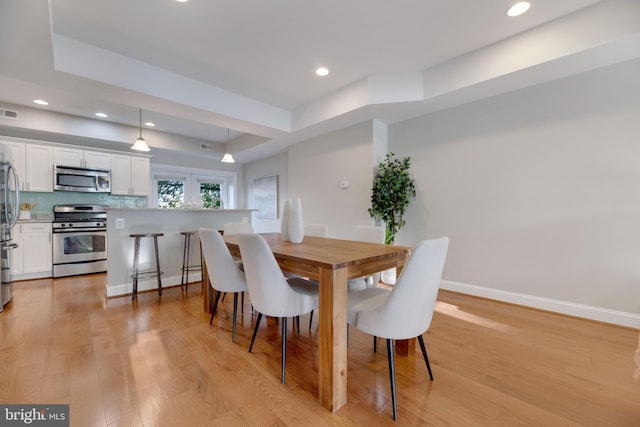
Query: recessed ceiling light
(519, 8)
(322, 71)
(103, 115)
(150, 124)
(182, 1)
(40, 102)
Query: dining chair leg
(242, 306)
(235, 314)
(284, 345)
(375, 344)
(255, 331)
(136, 258)
(392, 376)
(424, 354)
(215, 306)
(310, 318)
(298, 323)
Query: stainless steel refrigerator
(9, 212)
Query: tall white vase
(296, 225)
(284, 224)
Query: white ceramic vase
(296, 225)
(284, 224)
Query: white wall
(313, 170)
(538, 191)
(316, 168)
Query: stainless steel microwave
(68, 178)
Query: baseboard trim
(148, 284)
(599, 314)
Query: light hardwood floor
(158, 362)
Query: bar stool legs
(158, 272)
(186, 267)
(136, 259)
(136, 263)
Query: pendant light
(140, 144)
(227, 158)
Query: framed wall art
(265, 196)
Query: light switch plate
(344, 184)
(119, 223)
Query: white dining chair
(232, 228)
(406, 310)
(271, 293)
(322, 230)
(224, 274)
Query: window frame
(192, 178)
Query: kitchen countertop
(34, 221)
(178, 210)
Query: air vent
(206, 147)
(9, 114)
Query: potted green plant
(392, 191)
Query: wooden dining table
(332, 262)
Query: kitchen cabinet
(129, 175)
(38, 175)
(34, 164)
(66, 156)
(32, 258)
(17, 150)
(17, 255)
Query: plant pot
(388, 277)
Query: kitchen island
(121, 222)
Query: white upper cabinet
(65, 156)
(140, 176)
(38, 168)
(17, 160)
(34, 164)
(97, 160)
(130, 175)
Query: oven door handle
(9, 246)
(77, 230)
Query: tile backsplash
(45, 201)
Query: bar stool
(184, 281)
(136, 258)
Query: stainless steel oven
(79, 239)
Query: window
(210, 192)
(170, 193)
(175, 188)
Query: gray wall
(313, 171)
(275, 165)
(538, 191)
